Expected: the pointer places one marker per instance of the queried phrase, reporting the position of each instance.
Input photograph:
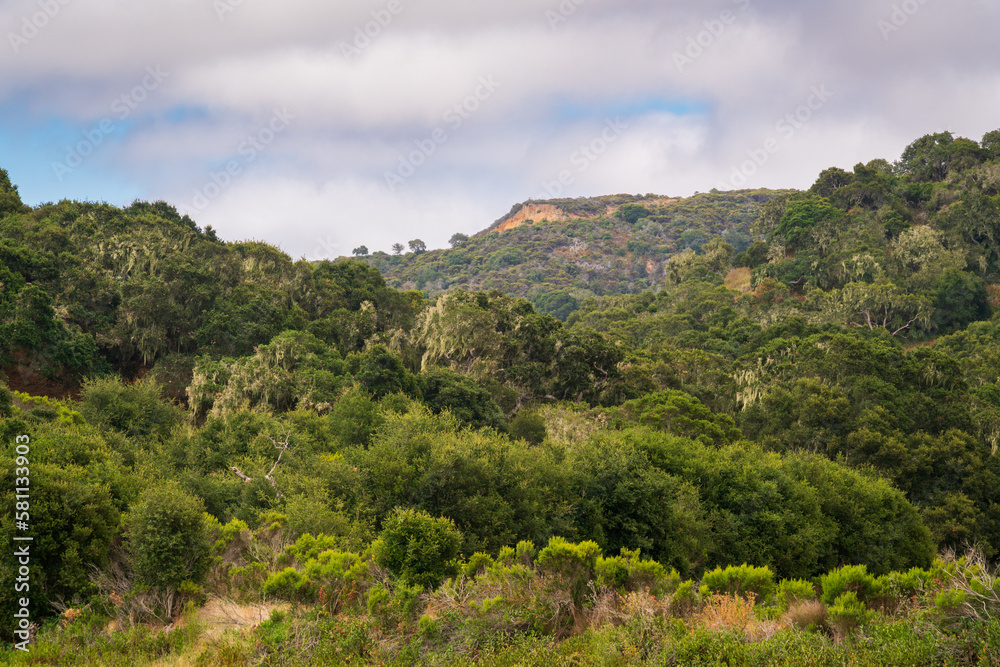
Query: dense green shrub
(168, 538)
(73, 521)
(354, 417)
(137, 410)
(904, 587)
(381, 372)
(848, 613)
(739, 580)
(627, 501)
(630, 573)
(528, 426)
(853, 579)
(289, 584)
(417, 548)
(573, 563)
(681, 414)
(445, 389)
(794, 590)
(496, 491)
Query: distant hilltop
(560, 209)
(577, 248)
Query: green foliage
(794, 415)
(960, 298)
(590, 253)
(289, 584)
(340, 577)
(632, 213)
(573, 563)
(10, 200)
(850, 579)
(6, 401)
(559, 304)
(630, 573)
(394, 607)
(790, 591)
(445, 389)
(950, 601)
(167, 538)
(903, 587)
(417, 548)
(496, 491)
(294, 370)
(354, 417)
(739, 580)
(753, 257)
(309, 547)
(73, 520)
(477, 563)
(381, 372)
(798, 515)
(847, 613)
(43, 408)
(528, 426)
(628, 502)
(680, 414)
(933, 156)
(136, 411)
(801, 216)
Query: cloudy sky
(320, 126)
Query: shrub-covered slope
(565, 250)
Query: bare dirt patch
(534, 213)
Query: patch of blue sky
(31, 153)
(575, 110)
(182, 114)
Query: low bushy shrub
(417, 548)
(847, 614)
(630, 573)
(849, 579)
(573, 563)
(791, 591)
(739, 580)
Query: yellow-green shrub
(739, 580)
(849, 579)
(791, 591)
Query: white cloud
(355, 117)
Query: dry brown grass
(218, 616)
(229, 614)
(722, 613)
(725, 612)
(739, 279)
(608, 607)
(806, 614)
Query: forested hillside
(560, 252)
(747, 427)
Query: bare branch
(241, 475)
(277, 493)
(906, 326)
(282, 446)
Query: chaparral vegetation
(755, 428)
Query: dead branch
(241, 475)
(906, 326)
(281, 446)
